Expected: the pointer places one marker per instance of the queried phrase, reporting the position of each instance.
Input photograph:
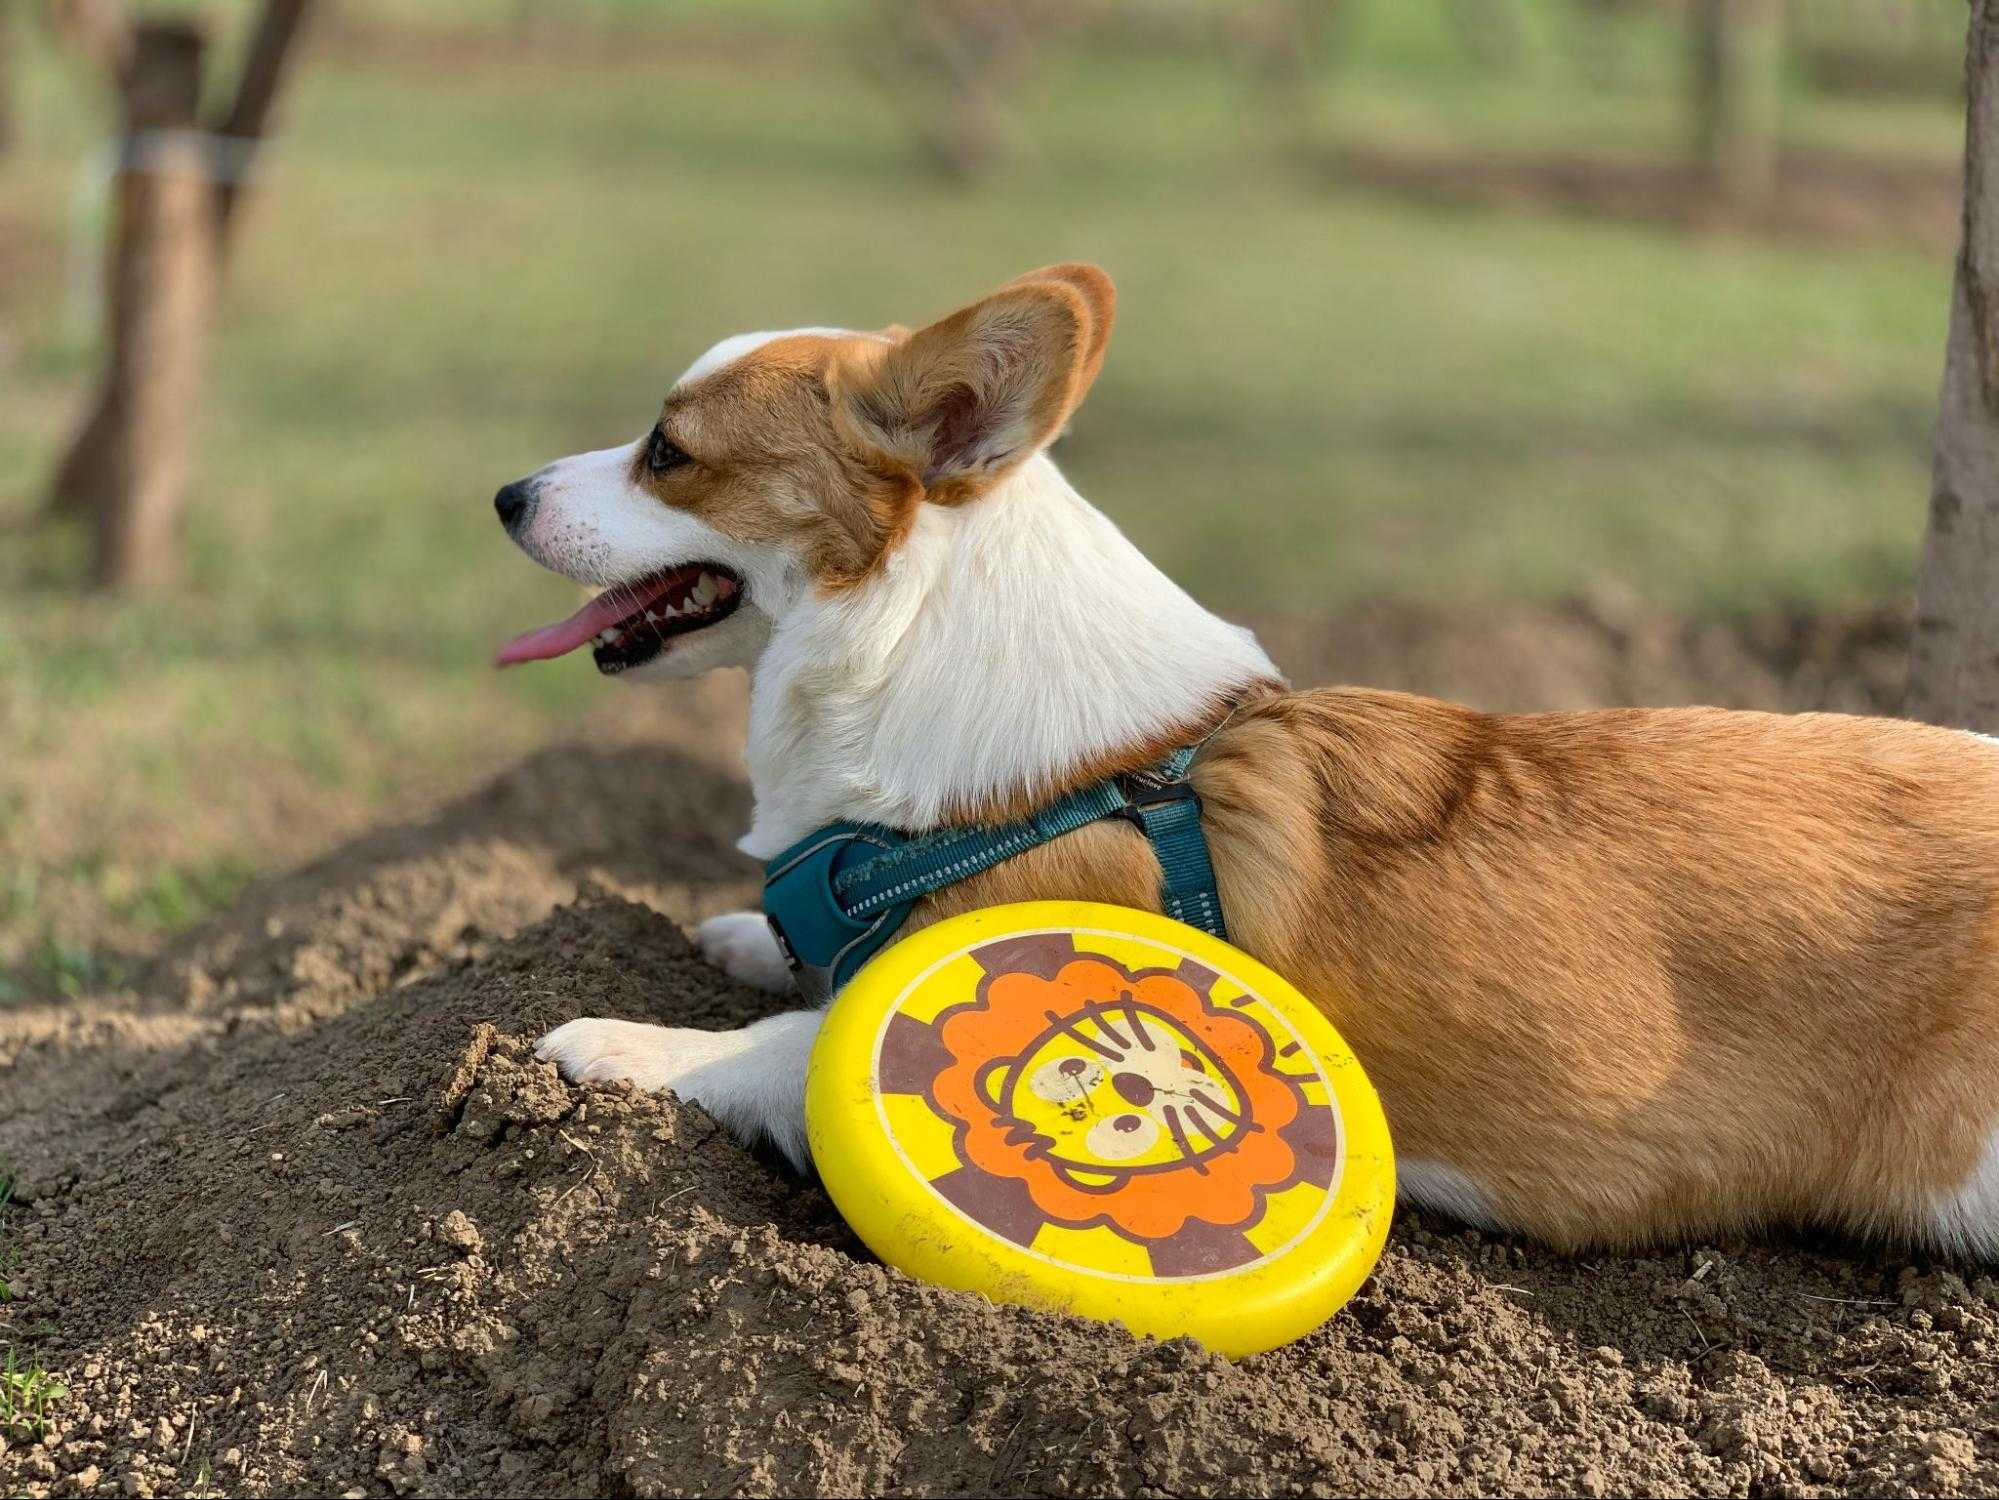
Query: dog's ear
(1099, 296)
(958, 404)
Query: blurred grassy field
(469, 259)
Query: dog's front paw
(741, 945)
(592, 1050)
(751, 1079)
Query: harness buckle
(1138, 796)
(821, 943)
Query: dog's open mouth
(632, 623)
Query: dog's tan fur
(1632, 971)
(769, 463)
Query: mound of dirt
(303, 1215)
(1604, 651)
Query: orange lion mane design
(1223, 1184)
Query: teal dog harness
(839, 896)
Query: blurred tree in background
(6, 74)
(178, 184)
(1738, 92)
(956, 68)
(1493, 30)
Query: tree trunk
(960, 67)
(1954, 660)
(249, 118)
(129, 464)
(1493, 32)
(1738, 67)
(6, 75)
(177, 193)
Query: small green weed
(27, 1391)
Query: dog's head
(790, 465)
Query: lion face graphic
(1084, 1094)
(1115, 1090)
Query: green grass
(27, 1393)
(455, 273)
(27, 1390)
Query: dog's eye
(662, 454)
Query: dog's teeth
(704, 591)
(605, 637)
(651, 618)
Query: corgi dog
(1619, 977)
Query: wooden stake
(131, 462)
(176, 196)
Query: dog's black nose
(513, 501)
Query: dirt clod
(460, 1233)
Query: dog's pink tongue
(564, 637)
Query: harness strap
(932, 861)
(838, 896)
(1171, 820)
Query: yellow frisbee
(1107, 1112)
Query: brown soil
(301, 1215)
(1819, 196)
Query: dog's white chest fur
(1004, 644)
